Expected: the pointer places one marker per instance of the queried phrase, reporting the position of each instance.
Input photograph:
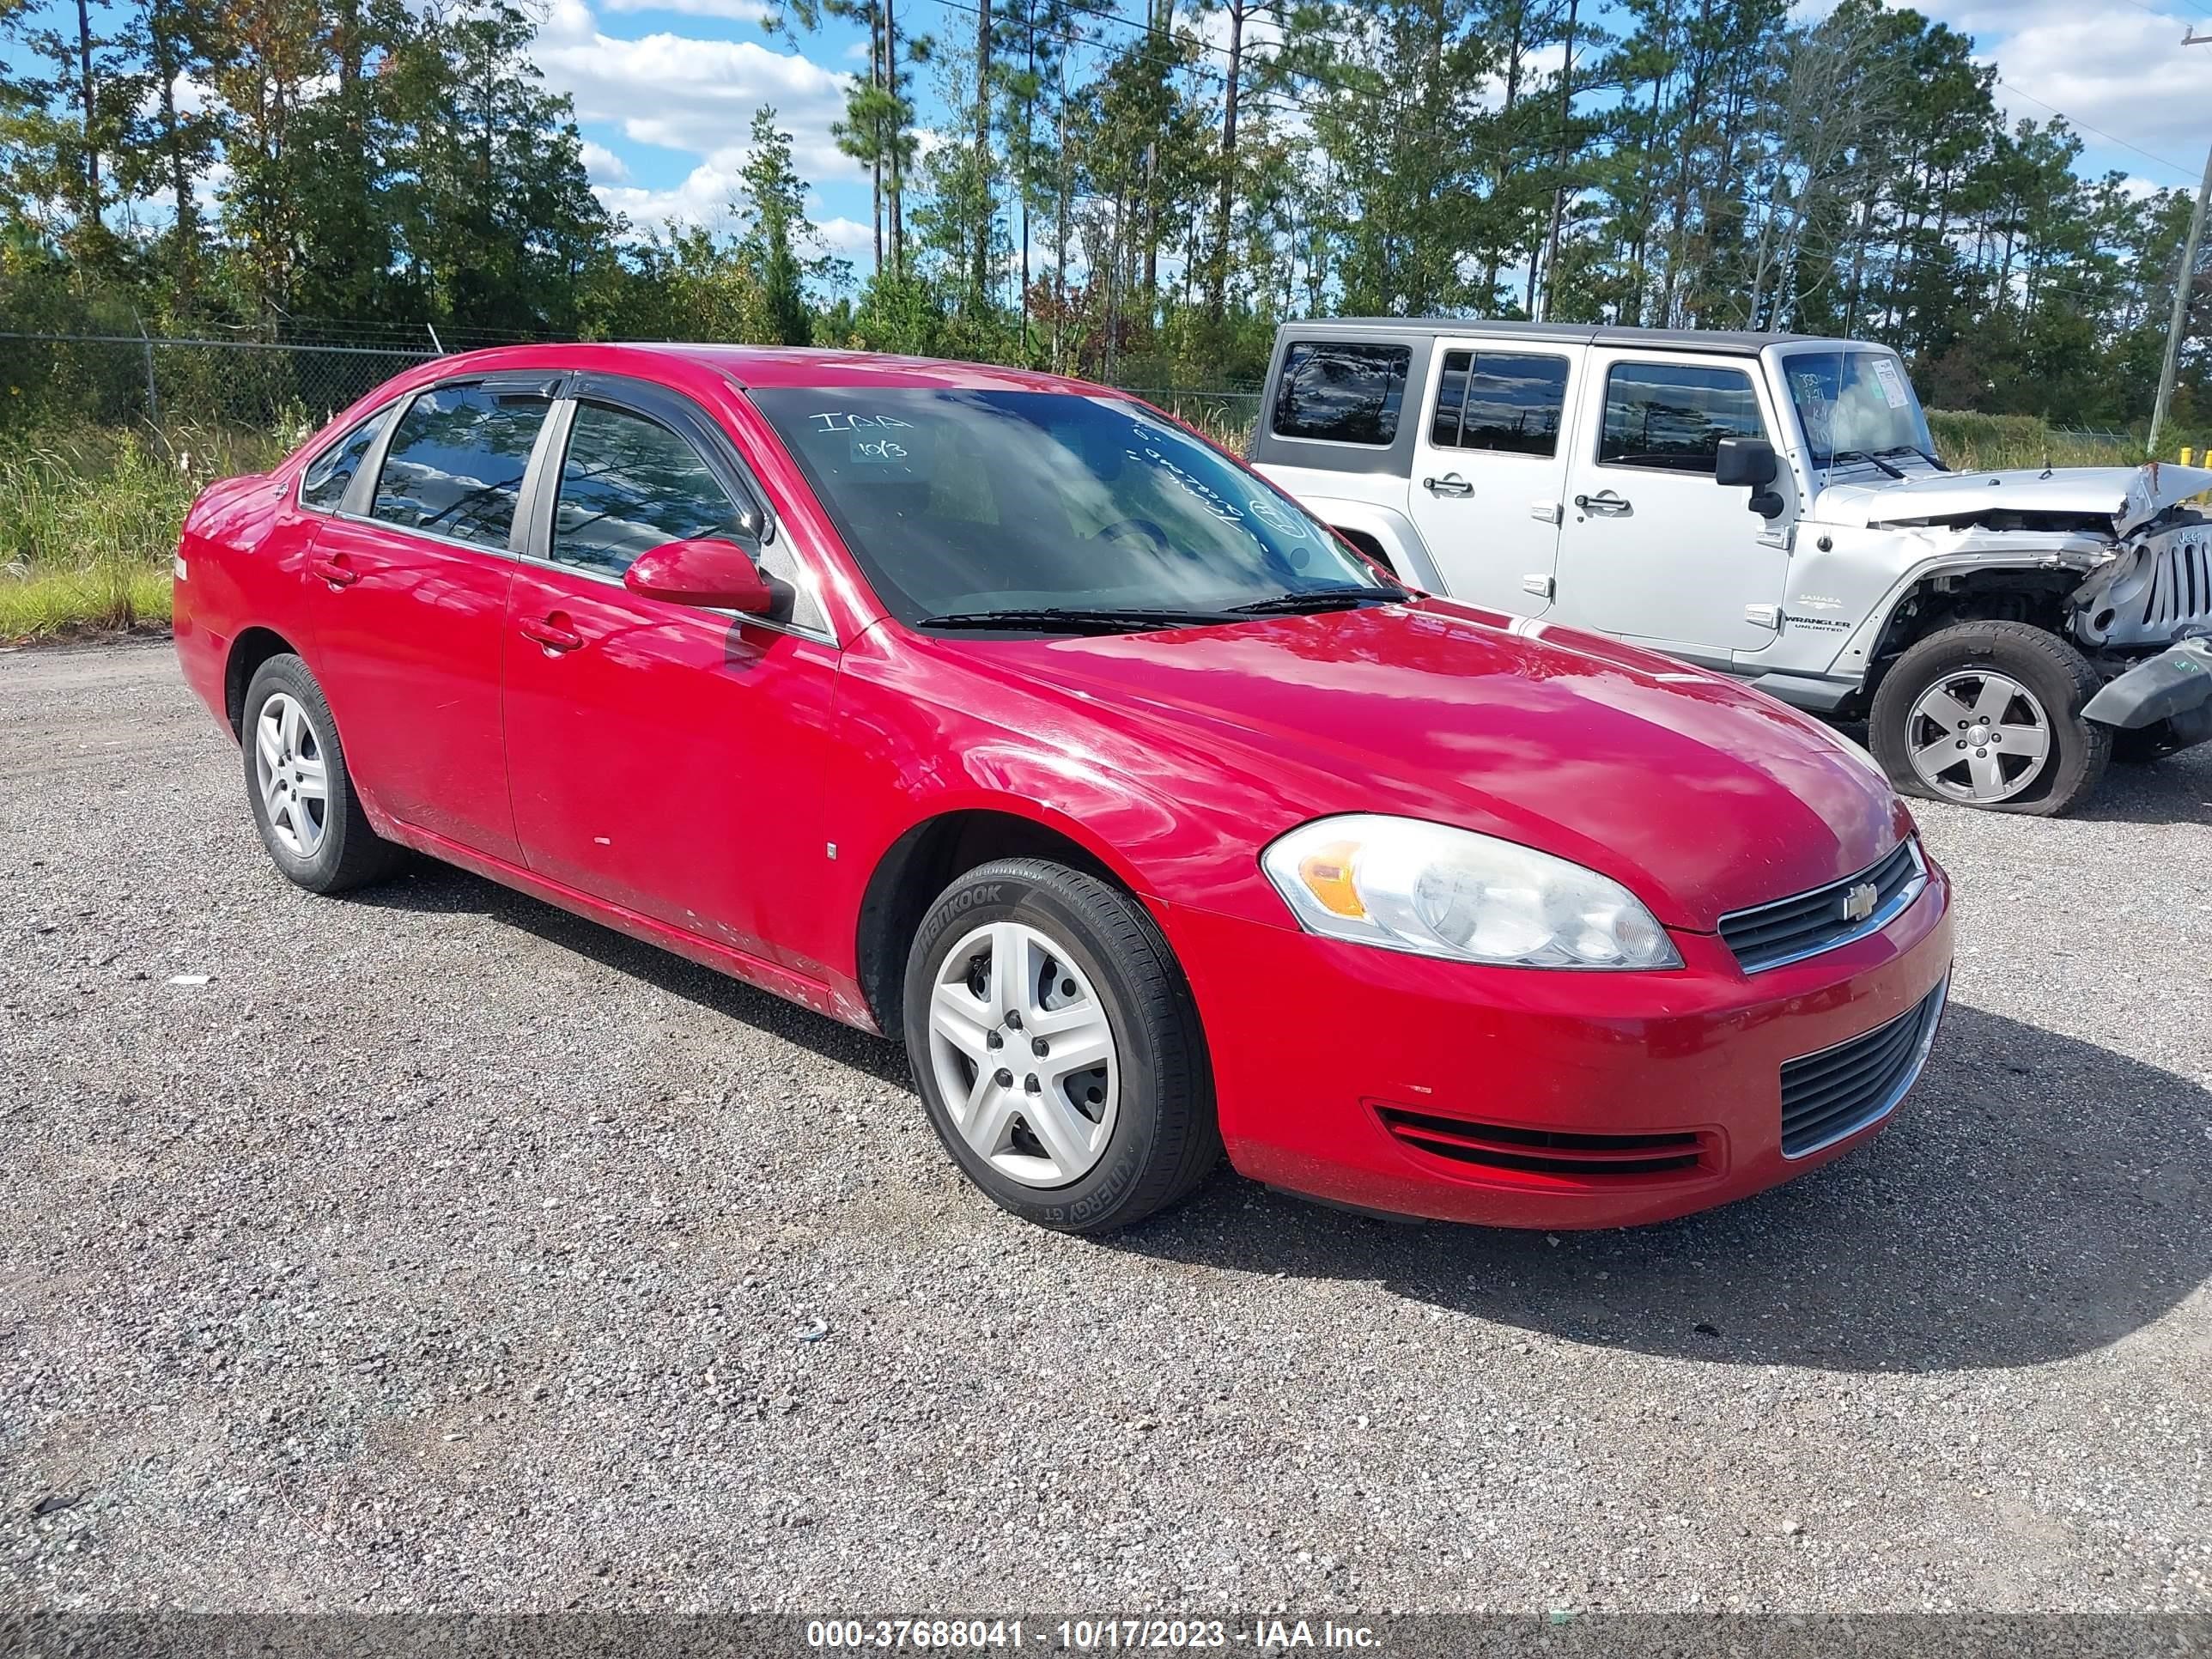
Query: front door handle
(551, 632)
(337, 574)
(1605, 501)
(1450, 484)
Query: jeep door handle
(1606, 502)
(1450, 484)
(337, 574)
(551, 633)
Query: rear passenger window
(456, 462)
(1673, 415)
(323, 485)
(1500, 400)
(1346, 394)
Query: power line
(2172, 167)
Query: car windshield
(970, 503)
(1854, 404)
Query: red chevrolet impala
(1000, 713)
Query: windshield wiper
(1861, 455)
(1318, 600)
(1915, 449)
(1078, 619)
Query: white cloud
(604, 166)
(2120, 72)
(692, 94)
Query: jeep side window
(1344, 394)
(1672, 417)
(1500, 400)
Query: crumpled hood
(2122, 496)
(1700, 795)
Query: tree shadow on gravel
(427, 887)
(2037, 1198)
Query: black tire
(2060, 677)
(1163, 1140)
(347, 853)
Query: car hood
(1700, 795)
(2121, 497)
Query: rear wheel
(297, 785)
(1056, 1048)
(1988, 714)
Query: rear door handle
(1606, 502)
(552, 632)
(1450, 484)
(337, 574)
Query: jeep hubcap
(1977, 737)
(1023, 1055)
(288, 767)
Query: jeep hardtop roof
(1741, 343)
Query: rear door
(665, 759)
(408, 582)
(1489, 469)
(1652, 549)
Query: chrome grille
(1841, 1090)
(1806, 924)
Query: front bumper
(1369, 1078)
(2174, 687)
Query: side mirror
(1738, 462)
(703, 571)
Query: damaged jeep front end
(2118, 562)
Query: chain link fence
(116, 381)
(263, 386)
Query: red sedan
(1000, 713)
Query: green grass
(89, 522)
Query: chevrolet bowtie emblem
(1858, 903)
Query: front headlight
(1407, 885)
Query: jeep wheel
(1988, 714)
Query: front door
(1653, 550)
(408, 613)
(1489, 467)
(664, 758)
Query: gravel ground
(440, 1250)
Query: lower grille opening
(1544, 1152)
(1840, 1091)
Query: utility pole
(2184, 283)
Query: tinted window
(1500, 400)
(323, 485)
(1346, 394)
(1451, 397)
(964, 501)
(1672, 415)
(629, 485)
(456, 462)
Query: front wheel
(1988, 714)
(1057, 1050)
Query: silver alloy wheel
(288, 768)
(1023, 1056)
(1977, 736)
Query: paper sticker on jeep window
(1892, 383)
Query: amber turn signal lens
(1327, 873)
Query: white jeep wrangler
(1771, 506)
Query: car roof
(768, 366)
(1734, 341)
